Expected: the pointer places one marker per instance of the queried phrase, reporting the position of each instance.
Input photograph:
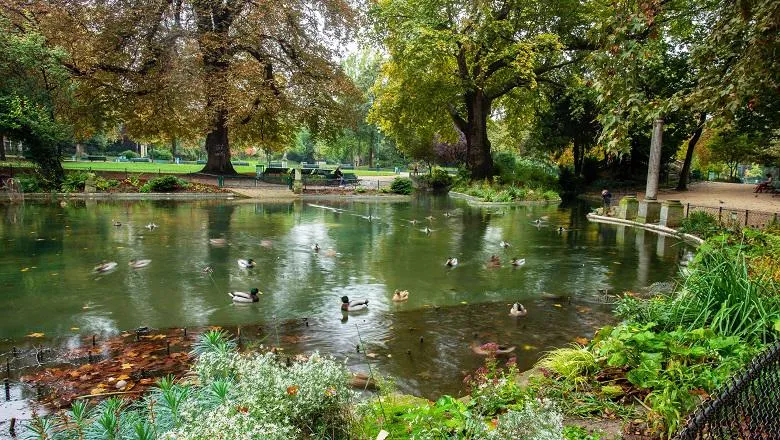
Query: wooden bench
(240, 163)
(94, 158)
(140, 159)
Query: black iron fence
(736, 217)
(747, 407)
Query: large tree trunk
(480, 161)
(173, 148)
(2, 147)
(682, 184)
(213, 23)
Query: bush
(438, 180)
(401, 185)
(164, 184)
(161, 154)
(31, 183)
(129, 154)
(189, 154)
(75, 182)
(103, 184)
(701, 224)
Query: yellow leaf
(75, 329)
(557, 305)
(127, 366)
(35, 335)
(123, 377)
(97, 390)
(25, 269)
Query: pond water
(368, 249)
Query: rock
(120, 384)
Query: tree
(456, 61)
(733, 149)
(247, 71)
(33, 90)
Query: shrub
(129, 154)
(533, 421)
(75, 182)
(401, 185)
(438, 180)
(701, 224)
(31, 183)
(164, 184)
(103, 184)
(161, 154)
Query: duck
(561, 229)
(243, 297)
(362, 381)
(137, 264)
(413, 221)
(518, 261)
(400, 295)
(105, 266)
(116, 223)
(430, 218)
(451, 262)
(151, 226)
(504, 244)
(518, 310)
(207, 269)
(246, 264)
(316, 247)
(491, 348)
(427, 230)
(447, 214)
(353, 306)
(494, 261)
(217, 241)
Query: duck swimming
(400, 295)
(151, 226)
(316, 247)
(243, 297)
(518, 261)
(217, 241)
(427, 230)
(494, 261)
(246, 264)
(353, 306)
(430, 218)
(116, 223)
(518, 310)
(137, 264)
(504, 244)
(452, 262)
(491, 348)
(105, 266)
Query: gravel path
(727, 195)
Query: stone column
(672, 213)
(142, 150)
(79, 151)
(654, 161)
(628, 208)
(298, 182)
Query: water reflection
(368, 249)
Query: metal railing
(747, 407)
(736, 217)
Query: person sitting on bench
(765, 185)
(339, 175)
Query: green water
(47, 282)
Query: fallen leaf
(127, 366)
(25, 269)
(557, 305)
(75, 329)
(123, 377)
(96, 390)
(580, 340)
(35, 335)
(371, 355)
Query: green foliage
(161, 154)
(701, 224)
(438, 180)
(164, 184)
(503, 194)
(401, 185)
(31, 183)
(103, 184)
(569, 363)
(129, 154)
(578, 433)
(74, 182)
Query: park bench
(240, 163)
(98, 158)
(121, 159)
(309, 166)
(347, 166)
(139, 159)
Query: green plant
(579, 433)
(161, 154)
(401, 185)
(75, 182)
(701, 224)
(103, 184)
(438, 180)
(31, 183)
(129, 154)
(569, 363)
(164, 184)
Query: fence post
(720, 214)
(746, 216)
(7, 389)
(688, 210)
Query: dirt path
(726, 195)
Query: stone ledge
(647, 226)
(131, 196)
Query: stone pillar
(654, 161)
(79, 151)
(298, 182)
(672, 212)
(620, 237)
(649, 211)
(142, 150)
(628, 208)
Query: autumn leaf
(96, 390)
(581, 340)
(292, 390)
(35, 335)
(127, 366)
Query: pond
(367, 250)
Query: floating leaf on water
(527, 347)
(74, 329)
(617, 262)
(54, 274)
(464, 302)
(35, 335)
(371, 355)
(557, 305)
(580, 340)
(25, 269)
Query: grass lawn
(169, 168)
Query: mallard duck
(116, 222)
(494, 261)
(427, 230)
(243, 297)
(137, 264)
(452, 262)
(491, 348)
(105, 266)
(518, 261)
(246, 264)
(362, 381)
(353, 306)
(429, 218)
(413, 221)
(218, 241)
(447, 214)
(561, 229)
(518, 310)
(316, 247)
(151, 226)
(504, 244)
(400, 295)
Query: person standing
(606, 197)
